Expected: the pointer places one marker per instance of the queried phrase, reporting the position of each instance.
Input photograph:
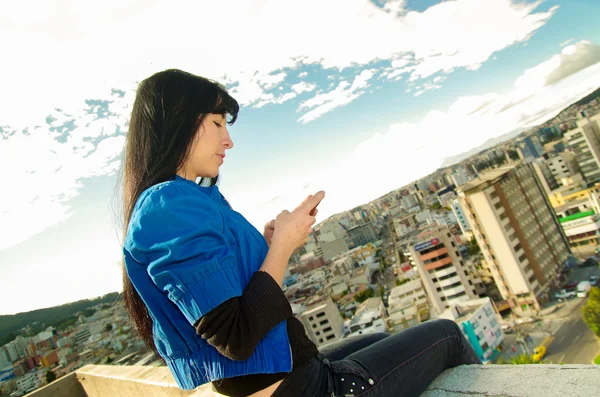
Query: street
(573, 342)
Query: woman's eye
(217, 124)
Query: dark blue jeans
(382, 365)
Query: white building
(407, 305)
(368, 318)
(323, 323)
(480, 324)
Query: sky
(354, 97)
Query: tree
(403, 281)
(522, 359)
(591, 311)
(108, 327)
(364, 295)
(50, 376)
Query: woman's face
(208, 149)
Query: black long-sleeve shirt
(236, 326)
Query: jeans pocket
(352, 378)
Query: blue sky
(354, 97)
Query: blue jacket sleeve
(178, 233)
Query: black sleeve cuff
(265, 303)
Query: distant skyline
(354, 97)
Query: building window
(320, 340)
(310, 318)
(330, 337)
(324, 322)
(318, 333)
(327, 329)
(320, 314)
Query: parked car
(564, 294)
(570, 287)
(591, 261)
(583, 289)
(594, 280)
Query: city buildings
(323, 323)
(440, 265)
(479, 322)
(518, 233)
(584, 142)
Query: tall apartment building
(323, 323)
(584, 142)
(442, 270)
(518, 233)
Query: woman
(203, 286)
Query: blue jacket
(186, 252)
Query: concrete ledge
(517, 381)
(68, 385)
(125, 381)
(475, 381)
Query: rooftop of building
(370, 304)
(406, 287)
(471, 380)
(485, 179)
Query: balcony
(440, 263)
(473, 380)
(434, 254)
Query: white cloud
(566, 42)
(50, 166)
(303, 87)
(342, 95)
(303, 74)
(99, 46)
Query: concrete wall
(122, 381)
(68, 385)
(474, 381)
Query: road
(574, 342)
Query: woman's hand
(269, 230)
(291, 229)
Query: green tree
(522, 359)
(364, 295)
(50, 376)
(108, 360)
(591, 311)
(108, 327)
(400, 282)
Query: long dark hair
(169, 108)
